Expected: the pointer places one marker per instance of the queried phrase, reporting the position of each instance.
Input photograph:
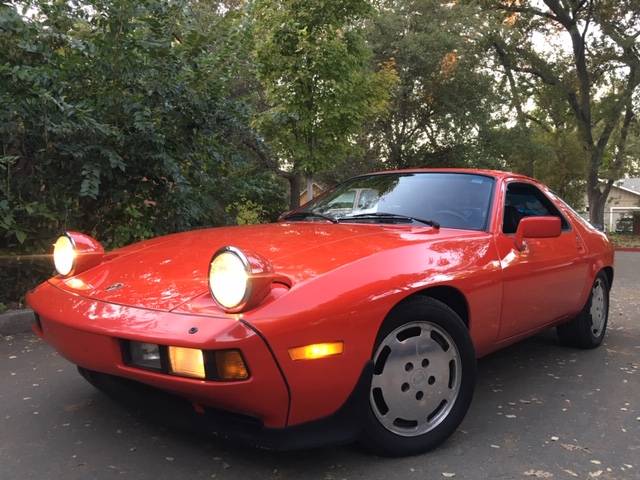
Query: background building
(622, 210)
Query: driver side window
(525, 200)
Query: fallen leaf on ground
(538, 474)
(573, 448)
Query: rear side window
(525, 200)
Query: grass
(624, 240)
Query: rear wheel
(587, 330)
(423, 380)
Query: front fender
(350, 303)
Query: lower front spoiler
(342, 427)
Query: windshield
(454, 200)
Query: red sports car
(358, 316)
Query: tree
(124, 119)
(539, 139)
(443, 96)
(596, 76)
(318, 85)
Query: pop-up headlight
(75, 252)
(239, 281)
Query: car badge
(115, 286)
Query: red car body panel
(86, 332)
(339, 283)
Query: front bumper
(344, 426)
(88, 333)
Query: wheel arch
(450, 296)
(608, 271)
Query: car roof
(476, 171)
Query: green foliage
(124, 120)
(443, 95)
(247, 212)
(121, 119)
(319, 85)
(580, 57)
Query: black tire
(380, 439)
(580, 332)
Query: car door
(544, 281)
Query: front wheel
(588, 328)
(423, 379)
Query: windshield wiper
(383, 215)
(306, 214)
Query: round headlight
(229, 278)
(64, 255)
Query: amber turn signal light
(316, 350)
(188, 362)
(230, 365)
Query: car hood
(163, 273)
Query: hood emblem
(115, 286)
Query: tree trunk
(528, 168)
(597, 192)
(597, 201)
(295, 188)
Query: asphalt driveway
(540, 411)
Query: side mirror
(537, 227)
